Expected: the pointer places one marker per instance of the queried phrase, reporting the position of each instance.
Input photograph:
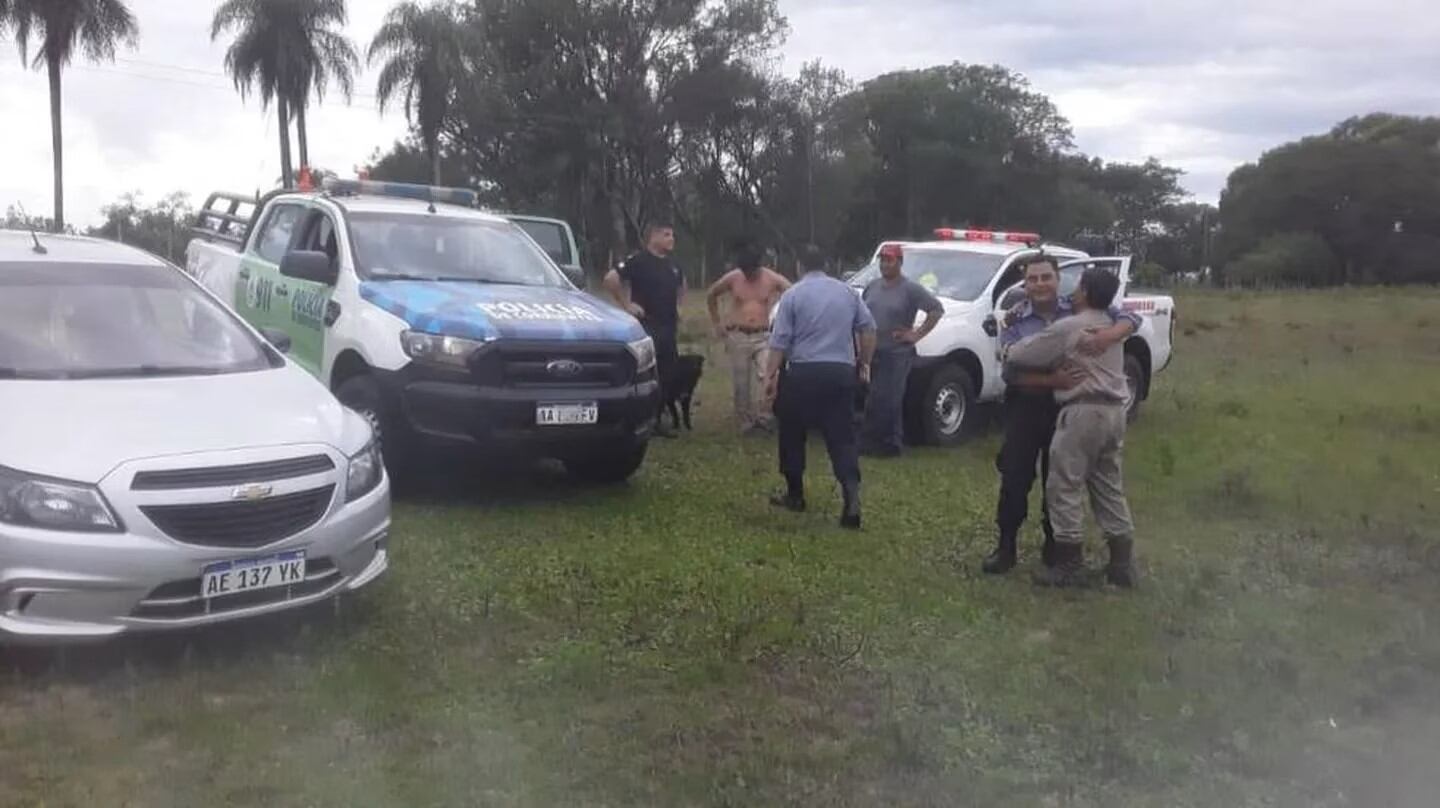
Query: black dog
(681, 392)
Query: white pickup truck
(977, 276)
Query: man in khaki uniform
(1085, 454)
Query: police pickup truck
(977, 276)
(445, 326)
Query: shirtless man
(746, 331)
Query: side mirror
(992, 328)
(278, 339)
(309, 265)
(576, 274)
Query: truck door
(302, 304)
(259, 273)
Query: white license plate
(245, 575)
(567, 414)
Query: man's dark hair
(747, 260)
(1037, 260)
(812, 259)
(1100, 287)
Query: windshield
(430, 247)
(115, 320)
(551, 238)
(948, 273)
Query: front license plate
(230, 577)
(567, 414)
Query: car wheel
(1135, 381)
(362, 394)
(606, 467)
(948, 415)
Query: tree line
(617, 113)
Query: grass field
(675, 642)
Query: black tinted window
(551, 238)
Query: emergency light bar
(406, 190)
(952, 234)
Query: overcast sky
(1201, 85)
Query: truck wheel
(362, 394)
(948, 414)
(1135, 380)
(606, 467)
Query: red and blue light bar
(993, 236)
(403, 190)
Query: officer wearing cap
(894, 300)
(814, 340)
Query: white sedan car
(161, 464)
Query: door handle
(244, 274)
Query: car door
(301, 312)
(259, 273)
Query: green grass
(675, 642)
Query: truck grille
(177, 600)
(213, 476)
(241, 524)
(554, 366)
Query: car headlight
(643, 350)
(31, 501)
(432, 348)
(366, 467)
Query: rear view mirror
(309, 265)
(277, 339)
(575, 274)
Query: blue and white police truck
(444, 325)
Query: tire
(947, 413)
(1136, 381)
(362, 394)
(607, 467)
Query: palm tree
(284, 48)
(424, 52)
(325, 55)
(96, 26)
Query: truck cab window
(274, 239)
(319, 235)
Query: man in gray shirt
(1085, 454)
(894, 300)
(817, 325)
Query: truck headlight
(432, 348)
(31, 501)
(643, 350)
(364, 473)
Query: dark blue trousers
(818, 395)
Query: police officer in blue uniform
(812, 373)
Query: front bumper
(457, 413)
(57, 586)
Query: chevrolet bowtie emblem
(253, 492)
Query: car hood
(81, 429)
(487, 311)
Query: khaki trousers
(1085, 459)
(747, 354)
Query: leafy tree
(162, 228)
(425, 61)
(59, 28)
(1369, 189)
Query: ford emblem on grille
(564, 368)
(253, 492)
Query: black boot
(1002, 560)
(1069, 570)
(794, 497)
(1121, 570)
(850, 514)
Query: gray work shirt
(817, 321)
(895, 306)
(1104, 375)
